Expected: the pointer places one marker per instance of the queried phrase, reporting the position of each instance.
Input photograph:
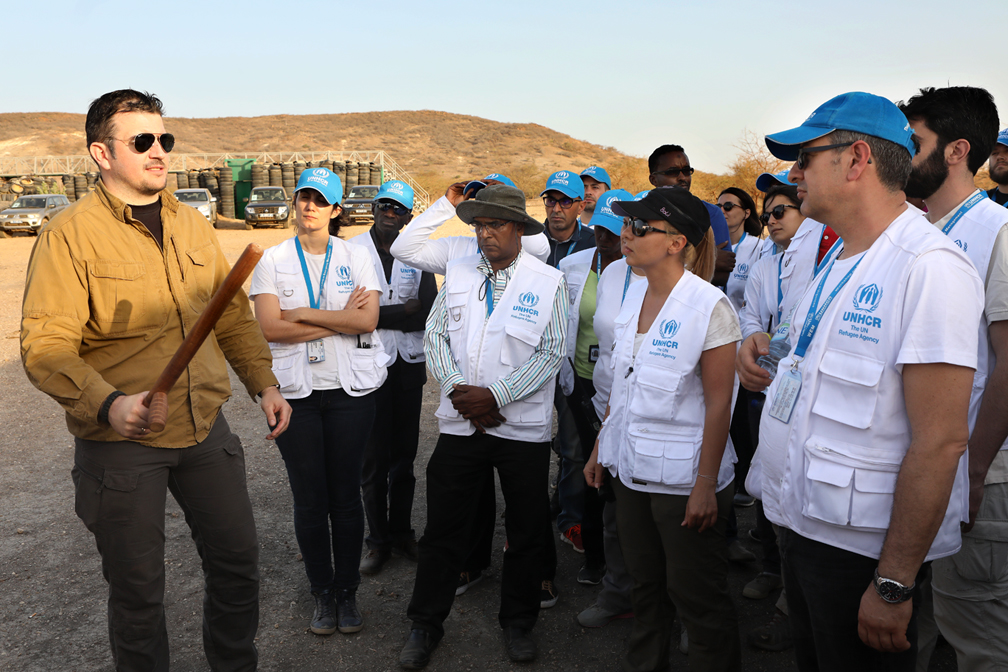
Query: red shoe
(573, 537)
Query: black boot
(348, 618)
(324, 620)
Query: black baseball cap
(675, 205)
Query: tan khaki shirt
(105, 309)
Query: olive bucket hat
(499, 202)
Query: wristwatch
(892, 591)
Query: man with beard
(596, 182)
(406, 297)
(114, 283)
(957, 127)
(998, 168)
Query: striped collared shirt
(541, 368)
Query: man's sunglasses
(141, 142)
(495, 225)
(640, 228)
(675, 172)
(777, 213)
(729, 206)
(564, 203)
(396, 208)
(803, 153)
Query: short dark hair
(752, 224)
(788, 191)
(652, 162)
(98, 126)
(892, 161)
(956, 112)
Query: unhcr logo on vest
(866, 299)
(343, 273)
(525, 309)
(666, 332)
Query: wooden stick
(157, 398)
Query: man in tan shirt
(114, 283)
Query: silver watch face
(891, 591)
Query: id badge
(316, 351)
(787, 396)
(593, 352)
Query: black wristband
(107, 405)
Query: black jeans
(120, 496)
(456, 474)
(585, 419)
(323, 449)
(388, 481)
(824, 587)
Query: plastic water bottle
(779, 349)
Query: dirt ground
(52, 595)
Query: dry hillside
(437, 148)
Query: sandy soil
(52, 595)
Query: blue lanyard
(829, 254)
(626, 284)
(489, 297)
(963, 209)
(598, 264)
(780, 290)
(815, 314)
(739, 243)
(312, 301)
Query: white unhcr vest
(405, 285)
(576, 269)
(974, 234)
(654, 432)
(849, 430)
(488, 349)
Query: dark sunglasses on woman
(640, 228)
(777, 213)
(729, 206)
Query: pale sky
(629, 75)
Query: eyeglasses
(396, 208)
(803, 158)
(141, 142)
(729, 206)
(564, 203)
(494, 225)
(675, 172)
(640, 228)
(777, 213)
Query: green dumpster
(242, 171)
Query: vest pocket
(365, 371)
(848, 388)
(533, 410)
(654, 396)
(518, 346)
(287, 370)
(847, 484)
(664, 458)
(288, 277)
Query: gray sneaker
(324, 619)
(762, 586)
(597, 616)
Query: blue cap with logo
(768, 181)
(599, 174)
(604, 215)
(475, 185)
(1003, 137)
(858, 112)
(641, 194)
(566, 182)
(398, 191)
(323, 181)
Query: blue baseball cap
(566, 182)
(599, 174)
(604, 215)
(475, 185)
(1003, 137)
(398, 191)
(768, 181)
(641, 194)
(858, 112)
(323, 181)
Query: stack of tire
(287, 178)
(171, 184)
(80, 185)
(299, 167)
(193, 179)
(260, 176)
(275, 175)
(339, 168)
(213, 184)
(351, 176)
(364, 172)
(68, 188)
(376, 174)
(92, 182)
(227, 194)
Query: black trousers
(586, 420)
(824, 587)
(121, 488)
(456, 475)
(388, 481)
